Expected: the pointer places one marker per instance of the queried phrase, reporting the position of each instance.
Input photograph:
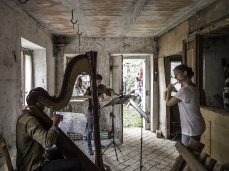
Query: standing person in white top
(192, 122)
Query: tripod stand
(118, 100)
(113, 141)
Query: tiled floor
(157, 153)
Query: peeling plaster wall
(105, 47)
(171, 43)
(15, 23)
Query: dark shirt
(31, 141)
(90, 100)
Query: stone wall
(15, 23)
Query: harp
(77, 65)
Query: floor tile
(158, 154)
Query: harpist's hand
(57, 118)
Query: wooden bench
(192, 158)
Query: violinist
(90, 117)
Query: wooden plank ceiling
(111, 18)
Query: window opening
(81, 84)
(27, 75)
(215, 57)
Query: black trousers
(57, 162)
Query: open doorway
(133, 72)
(215, 58)
(121, 86)
(175, 128)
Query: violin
(103, 89)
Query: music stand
(143, 115)
(118, 100)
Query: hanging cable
(79, 34)
(23, 2)
(73, 21)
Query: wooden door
(164, 112)
(117, 85)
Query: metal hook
(79, 30)
(23, 2)
(79, 36)
(72, 19)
